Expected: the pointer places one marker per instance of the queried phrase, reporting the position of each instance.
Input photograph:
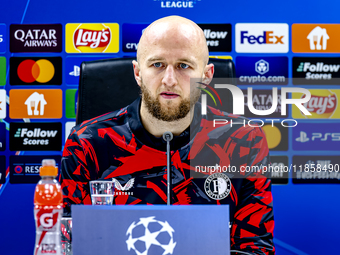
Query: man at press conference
(127, 145)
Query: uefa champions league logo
(150, 233)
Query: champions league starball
(150, 236)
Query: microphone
(167, 136)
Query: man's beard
(168, 112)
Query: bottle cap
(48, 168)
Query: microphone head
(167, 136)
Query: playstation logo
(76, 71)
(303, 137)
(262, 67)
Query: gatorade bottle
(48, 210)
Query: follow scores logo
(35, 136)
(36, 71)
(316, 71)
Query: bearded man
(127, 145)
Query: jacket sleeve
(253, 224)
(76, 170)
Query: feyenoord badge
(217, 186)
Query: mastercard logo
(273, 136)
(36, 71)
(277, 136)
(41, 71)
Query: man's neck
(157, 127)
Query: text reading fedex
(262, 37)
(267, 37)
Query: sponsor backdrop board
(131, 34)
(25, 169)
(35, 71)
(3, 135)
(36, 38)
(3, 104)
(35, 136)
(72, 68)
(2, 71)
(263, 100)
(316, 71)
(316, 169)
(315, 38)
(273, 44)
(262, 70)
(2, 169)
(324, 104)
(3, 39)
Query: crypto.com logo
(238, 99)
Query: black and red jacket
(116, 145)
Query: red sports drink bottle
(47, 210)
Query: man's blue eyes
(184, 66)
(181, 65)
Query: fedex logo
(262, 37)
(266, 37)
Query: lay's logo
(322, 105)
(92, 38)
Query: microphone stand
(167, 136)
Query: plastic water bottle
(48, 210)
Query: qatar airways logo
(238, 99)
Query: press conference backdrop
(42, 44)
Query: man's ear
(136, 72)
(208, 73)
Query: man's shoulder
(232, 124)
(213, 113)
(112, 118)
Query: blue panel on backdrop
(72, 68)
(316, 136)
(131, 36)
(3, 38)
(262, 70)
(3, 136)
(2, 169)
